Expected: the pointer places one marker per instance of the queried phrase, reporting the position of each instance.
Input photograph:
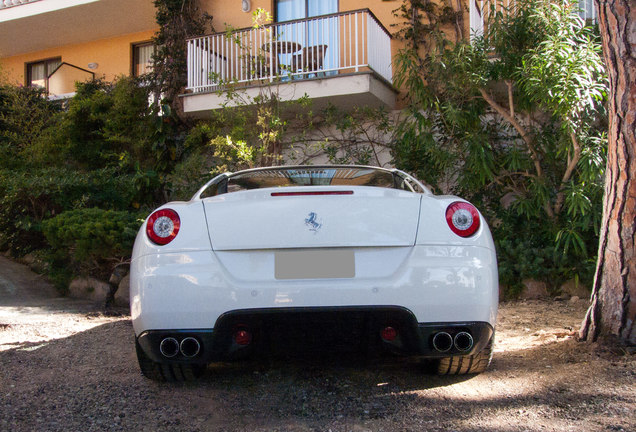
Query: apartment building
(331, 50)
(54, 43)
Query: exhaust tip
(463, 341)
(442, 341)
(190, 347)
(169, 347)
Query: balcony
(342, 58)
(33, 25)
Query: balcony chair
(310, 59)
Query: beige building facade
(337, 51)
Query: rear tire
(470, 364)
(164, 372)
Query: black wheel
(470, 364)
(166, 373)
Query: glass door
(315, 40)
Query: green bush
(27, 198)
(91, 240)
(526, 250)
(105, 124)
(107, 149)
(24, 117)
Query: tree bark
(613, 303)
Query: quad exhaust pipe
(170, 347)
(190, 347)
(463, 341)
(443, 341)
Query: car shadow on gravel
(91, 381)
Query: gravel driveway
(67, 366)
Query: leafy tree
(513, 120)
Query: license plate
(315, 264)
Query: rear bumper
(317, 330)
(193, 289)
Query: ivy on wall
(178, 20)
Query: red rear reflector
(242, 337)
(312, 193)
(388, 334)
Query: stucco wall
(113, 56)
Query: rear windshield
(308, 176)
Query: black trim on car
(317, 330)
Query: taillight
(163, 226)
(462, 218)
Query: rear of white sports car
(361, 257)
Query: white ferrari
(356, 257)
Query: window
(296, 9)
(142, 58)
(312, 176)
(318, 38)
(586, 10)
(37, 73)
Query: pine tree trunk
(613, 308)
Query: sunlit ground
(25, 326)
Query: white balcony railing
(9, 3)
(314, 47)
(480, 11)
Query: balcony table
(278, 47)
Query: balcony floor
(344, 91)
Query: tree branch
(511, 105)
(524, 135)
(572, 163)
(518, 127)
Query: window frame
(28, 71)
(134, 56)
(275, 8)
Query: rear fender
(193, 232)
(434, 230)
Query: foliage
(110, 148)
(526, 250)
(266, 123)
(357, 136)
(29, 197)
(178, 20)
(420, 19)
(213, 155)
(512, 120)
(91, 240)
(105, 124)
(113, 125)
(24, 116)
